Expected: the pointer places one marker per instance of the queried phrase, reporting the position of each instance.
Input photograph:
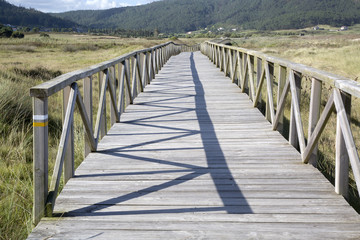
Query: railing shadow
(233, 201)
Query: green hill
(20, 16)
(188, 15)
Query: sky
(69, 5)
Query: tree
(17, 35)
(5, 32)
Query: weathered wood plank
(192, 159)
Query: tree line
(174, 16)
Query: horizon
(58, 6)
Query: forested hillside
(20, 16)
(188, 15)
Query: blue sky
(68, 5)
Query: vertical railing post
(152, 65)
(342, 158)
(315, 104)
(103, 122)
(147, 68)
(134, 83)
(150, 68)
(268, 100)
(160, 58)
(281, 84)
(113, 112)
(122, 94)
(87, 82)
(156, 65)
(40, 155)
(293, 136)
(240, 57)
(69, 167)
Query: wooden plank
(185, 161)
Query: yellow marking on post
(40, 124)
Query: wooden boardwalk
(192, 159)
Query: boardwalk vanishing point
(192, 159)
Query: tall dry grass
(335, 52)
(25, 63)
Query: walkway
(191, 159)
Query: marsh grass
(335, 52)
(25, 63)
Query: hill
(188, 15)
(20, 16)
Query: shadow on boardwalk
(233, 200)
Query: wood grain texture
(192, 159)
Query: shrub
(17, 35)
(44, 35)
(37, 73)
(5, 31)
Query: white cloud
(68, 5)
(103, 4)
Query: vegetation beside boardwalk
(331, 51)
(27, 62)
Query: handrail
(123, 78)
(239, 64)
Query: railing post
(113, 80)
(103, 122)
(293, 136)
(281, 84)
(123, 99)
(314, 115)
(342, 158)
(87, 82)
(268, 100)
(156, 60)
(69, 155)
(134, 83)
(40, 154)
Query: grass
(27, 62)
(335, 52)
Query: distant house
(316, 28)
(344, 28)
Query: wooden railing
(123, 78)
(251, 69)
(193, 48)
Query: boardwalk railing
(193, 48)
(251, 69)
(123, 77)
